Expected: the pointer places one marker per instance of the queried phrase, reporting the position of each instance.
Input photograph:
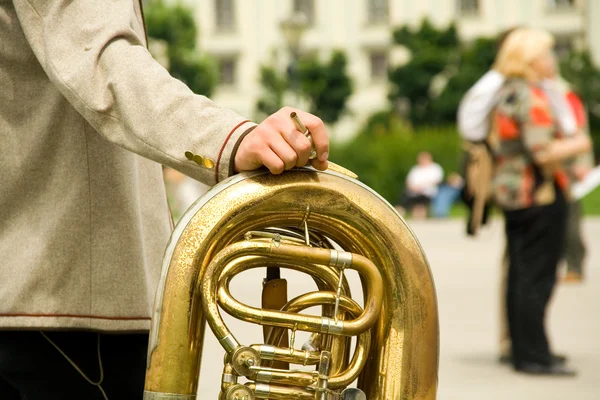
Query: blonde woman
(530, 186)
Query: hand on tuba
(279, 143)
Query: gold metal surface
(208, 163)
(198, 159)
(397, 358)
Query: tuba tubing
(398, 357)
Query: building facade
(245, 34)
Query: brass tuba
(319, 223)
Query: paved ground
(466, 274)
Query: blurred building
(242, 35)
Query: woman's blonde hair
(519, 49)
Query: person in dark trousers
(575, 250)
(530, 185)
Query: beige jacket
(83, 213)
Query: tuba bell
(321, 223)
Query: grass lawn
(591, 203)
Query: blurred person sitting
(448, 194)
(421, 186)
(531, 185)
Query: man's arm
(538, 132)
(92, 53)
(475, 107)
(561, 107)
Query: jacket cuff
(235, 149)
(226, 158)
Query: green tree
(274, 85)
(475, 60)
(175, 25)
(580, 71)
(433, 51)
(326, 85)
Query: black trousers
(409, 200)
(32, 368)
(575, 249)
(536, 238)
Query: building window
(468, 7)
(306, 7)
(227, 71)
(378, 11)
(225, 15)
(379, 65)
(561, 4)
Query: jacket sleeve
(477, 104)
(95, 55)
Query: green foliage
(579, 70)
(475, 60)
(199, 72)
(427, 35)
(175, 25)
(327, 85)
(383, 162)
(591, 203)
(172, 23)
(437, 54)
(433, 52)
(274, 86)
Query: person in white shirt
(473, 120)
(421, 185)
(475, 107)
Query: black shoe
(559, 359)
(549, 370)
(505, 359)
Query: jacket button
(208, 163)
(198, 159)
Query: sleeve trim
(223, 148)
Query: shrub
(383, 161)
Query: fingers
(272, 161)
(318, 133)
(286, 153)
(299, 143)
(278, 145)
(318, 164)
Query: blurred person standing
(474, 127)
(531, 185)
(422, 184)
(86, 118)
(575, 250)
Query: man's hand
(278, 145)
(580, 172)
